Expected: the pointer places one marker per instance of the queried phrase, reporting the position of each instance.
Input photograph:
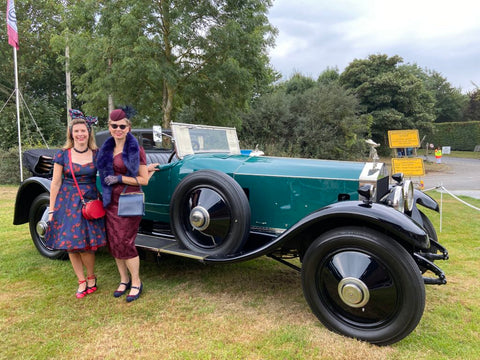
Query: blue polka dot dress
(69, 230)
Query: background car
(360, 242)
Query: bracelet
(50, 212)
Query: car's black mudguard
(27, 192)
(425, 200)
(376, 216)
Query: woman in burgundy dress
(68, 229)
(121, 161)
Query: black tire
(364, 285)
(210, 213)
(38, 216)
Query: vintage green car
(362, 246)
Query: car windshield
(193, 139)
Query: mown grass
(250, 310)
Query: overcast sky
(438, 35)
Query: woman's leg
(133, 266)
(123, 271)
(88, 259)
(77, 264)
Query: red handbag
(92, 209)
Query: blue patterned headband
(77, 114)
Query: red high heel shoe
(92, 289)
(81, 294)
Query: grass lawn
(250, 310)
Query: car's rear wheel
(363, 284)
(38, 217)
(210, 213)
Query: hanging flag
(12, 24)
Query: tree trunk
(167, 104)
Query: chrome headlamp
(408, 195)
(396, 199)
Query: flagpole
(17, 101)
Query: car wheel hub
(41, 228)
(353, 292)
(199, 218)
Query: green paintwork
(281, 191)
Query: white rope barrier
(442, 188)
(452, 195)
(456, 197)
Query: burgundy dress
(122, 231)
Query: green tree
(301, 117)
(391, 93)
(472, 111)
(328, 76)
(450, 103)
(200, 60)
(41, 79)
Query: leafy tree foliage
(307, 119)
(202, 60)
(41, 78)
(450, 103)
(392, 94)
(472, 111)
(328, 76)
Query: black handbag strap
(73, 175)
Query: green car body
(281, 191)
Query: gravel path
(461, 178)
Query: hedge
(462, 136)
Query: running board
(165, 245)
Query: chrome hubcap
(353, 292)
(41, 228)
(199, 218)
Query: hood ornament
(373, 152)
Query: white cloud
(439, 35)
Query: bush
(10, 169)
(463, 136)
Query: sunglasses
(114, 126)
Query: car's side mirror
(157, 135)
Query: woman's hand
(153, 167)
(112, 179)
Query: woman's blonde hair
(92, 145)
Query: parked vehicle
(360, 243)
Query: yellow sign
(408, 166)
(403, 139)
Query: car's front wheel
(363, 284)
(210, 213)
(38, 217)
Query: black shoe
(118, 293)
(130, 298)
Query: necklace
(81, 151)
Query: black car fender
(26, 194)
(376, 216)
(425, 200)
